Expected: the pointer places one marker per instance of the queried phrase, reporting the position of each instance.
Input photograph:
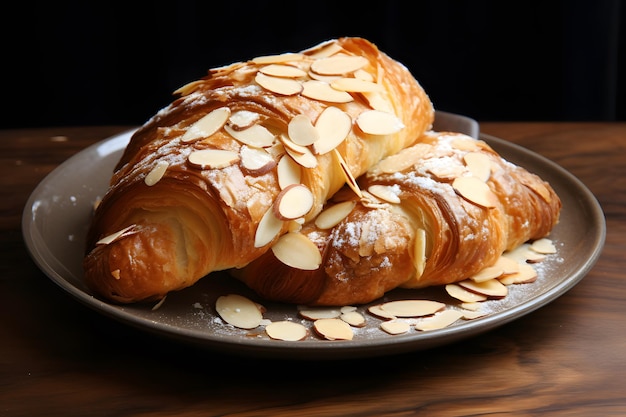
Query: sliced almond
(353, 318)
(256, 136)
(288, 172)
(462, 294)
(471, 305)
(323, 49)
(336, 65)
(525, 275)
(238, 311)
(476, 191)
(355, 85)
(379, 312)
(491, 288)
(419, 254)
(378, 101)
(294, 201)
(316, 313)
(156, 173)
(117, 235)
(334, 214)
(301, 154)
(278, 85)
(394, 327)
(440, 320)
(472, 314)
(404, 159)
(284, 71)
(544, 246)
(361, 74)
(286, 330)
(322, 91)
(297, 251)
(326, 78)
(268, 228)
(333, 126)
(256, 161)
(376, 122)
(333, 329)
(412, 308)
(243, 119)
(207, 125)
(385, 192)
(212, 158)
(478, 164)
(523, 254)
(350, 180)
(487, 273)
(301, 131)
(275, 59)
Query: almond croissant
(196, 181)
(435, 213)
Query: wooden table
(58, 357)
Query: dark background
(92, 63)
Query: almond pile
(397, 316)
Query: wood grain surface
(58, 357)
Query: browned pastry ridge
(195, 181)
(447, 207)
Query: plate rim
(316, 349)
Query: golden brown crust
(195, 221)
(376, 248)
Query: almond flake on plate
(525, 275)
(462, 294)
(412, 308)
(286, 330)
(333, 329)
(544, 246)
(239, 311)
(395, 327)
(353, 318)
(316, 313)
(440, 320)
(491, 288)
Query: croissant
(435, 213)
(212, 180)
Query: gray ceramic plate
(57, 214)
